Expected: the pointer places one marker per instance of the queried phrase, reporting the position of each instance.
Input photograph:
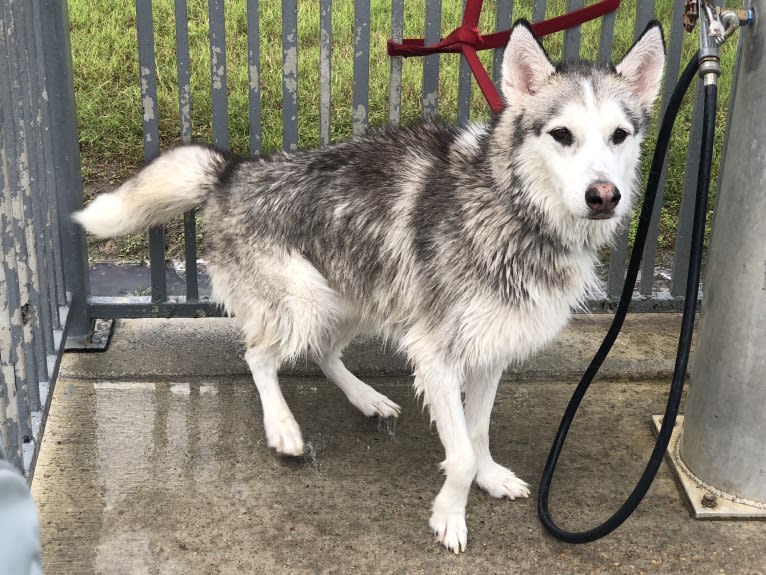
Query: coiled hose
(687, 324)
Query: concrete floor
(151, 468)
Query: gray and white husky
(468, 246)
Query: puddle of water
(310, 452)
(387, 426)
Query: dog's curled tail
(175, 182)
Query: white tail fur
(175, 182)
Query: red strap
(468, 40)
(483, 80)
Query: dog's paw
(284, 435)
(501, 482)
(374, 404)
(450, 529)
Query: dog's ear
(643, 65)
(525, 65)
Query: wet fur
(467, 246)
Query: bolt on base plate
(705, 501)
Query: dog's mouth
(601, 215)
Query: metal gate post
(722, 442)
(66, 162)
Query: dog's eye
(619, 135)
(563, 136)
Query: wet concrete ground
(171, 474)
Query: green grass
(108, 90)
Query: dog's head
(577, 128)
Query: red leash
(468, 40)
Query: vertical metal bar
(42, 325)
(395, 77)
(144, 29)
(145, 32)
(672, 68)
(503, 21)
(465, 83)
(49, 199)
(183, 66)
(37, 312)
(538, 13)
(254, 75)
(618, 255)
(290, 74)
(616, 273)
(19, 354)
(11, 418)
(65, 163)
(9, 430)
(325, 70)
(606, 38)
(430, 98)
(11, 359)
(572, 35)
(190, 255)
(688, 200)
(48, 297)
(644, 14)
(10, 318)
(361, 65)
(157, 263)
(21, 205)
(40, 195)
(218, 73)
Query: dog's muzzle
(601, 198)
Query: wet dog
(469, 246)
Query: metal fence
(650, 295)
(43, 272)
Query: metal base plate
(705, 501)
(97, 341)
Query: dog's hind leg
(361, 395)
(440, 386)
(282, 431)
(498, 481)
(284, 307)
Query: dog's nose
(602, 197)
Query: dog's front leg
(498, 481)
(282, 431)
(441, 389)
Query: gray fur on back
(413, 202)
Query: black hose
(687, 324)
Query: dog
(469, 246)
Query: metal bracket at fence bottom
(105, 310)
(98, 339)
(705, 501)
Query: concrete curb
(210, 347)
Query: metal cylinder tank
(724, 436)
